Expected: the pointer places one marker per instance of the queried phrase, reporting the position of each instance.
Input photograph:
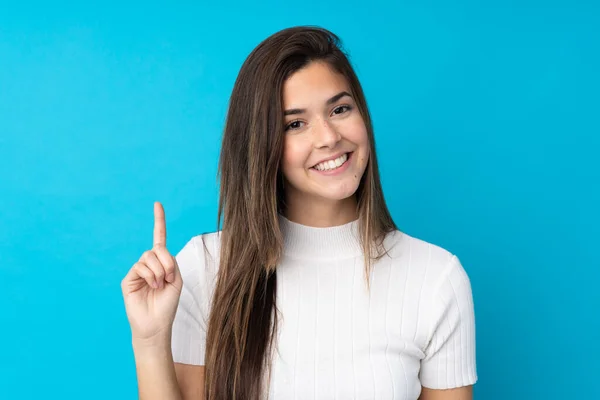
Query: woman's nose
(326, 135)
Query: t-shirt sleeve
(450, 355)
(188, 342)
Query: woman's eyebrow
(329, 102)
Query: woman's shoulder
(402, 245)
(419, 257)
(208, 243)
(432, 278)
(198, 259)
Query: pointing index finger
(160, 227)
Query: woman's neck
(320, 243)
(321, 213)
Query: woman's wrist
(158, 344)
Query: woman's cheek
(290, 161)
(294, 154)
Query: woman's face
(326, 147)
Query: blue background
(486, 120)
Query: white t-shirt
(415, 327)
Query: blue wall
(487, 126)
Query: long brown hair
(242, 323)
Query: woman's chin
(330, 191)
(338, 194)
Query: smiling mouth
(333, 164)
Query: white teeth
(331, 164)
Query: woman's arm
(156, 373)
(462, 393)
(159, 378)
(449, 367)
(191, 381)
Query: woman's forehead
(312, 85)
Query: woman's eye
(293, 125)
(338, 110)
(343, 108)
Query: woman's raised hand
(152, 287)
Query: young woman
(309, 291)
